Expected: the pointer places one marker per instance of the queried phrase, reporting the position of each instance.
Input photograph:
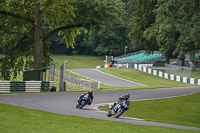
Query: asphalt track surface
(105, 78)
(64, 103)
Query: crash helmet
(90, 92)
(127, 96)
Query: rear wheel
(83, 104)
(119, 113)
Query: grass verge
(137, 76)
(183, 110)
(77, 76)
(76, 62)
(22, 120)
(195, 74)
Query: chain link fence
(51, 71)
(178, 70)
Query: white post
(125, 50)
(106, 60)
(98, 86)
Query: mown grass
(22, 120)
(76, 75)
(195, 74)
(137, 76)
(76, 62)
(183, 110)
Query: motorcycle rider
(125, 98)
(90, 96)
(122, 99)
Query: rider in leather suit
(123, 98)
(90, 96)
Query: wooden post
(65, 85)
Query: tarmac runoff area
(64, 103)
(105, 78)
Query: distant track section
(104, 78)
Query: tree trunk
(182, 61)
(38, 38)
(192, 58)
(167, 57)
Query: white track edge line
(119, 77)
(83, 76)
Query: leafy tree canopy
(143, 17)
(26, 25)
(177, 26)
(109, 40)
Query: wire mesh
(51, 71)
(178, 70)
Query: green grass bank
(137, 76)
(76, 62)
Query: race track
(64, 103)
(105, 78)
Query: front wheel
(83, 104)
(119, 113)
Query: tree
(177, 27)
(112, 40)
(109, 40)
(143, 17)
(22, 27)
(162, 30)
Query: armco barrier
(25, 86)
(78, 81)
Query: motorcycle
(82, 101)
(118, 109)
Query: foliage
(172, 26)
(109, 40)
(106, 39)
(176, 28)
(29, 24)
(90, 12)
(143, 17)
